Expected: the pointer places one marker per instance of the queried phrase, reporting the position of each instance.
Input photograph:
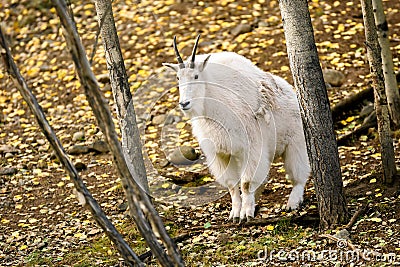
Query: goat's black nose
(184, 105)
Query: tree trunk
(392, 92)
(139, 202)
(131, 144)
(315, 112)
(381, 104)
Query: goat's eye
(177, 78)
(196, 77)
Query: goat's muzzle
(185, 105)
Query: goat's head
(192, 83)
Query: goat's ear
(204, 64)
(175, 67)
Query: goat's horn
(194, 52)
(178, 57)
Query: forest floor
(41, 221)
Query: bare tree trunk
(315, 112)
(131, 144)
(99, 216)
(381, 104)
(392, 92)
(138, 200)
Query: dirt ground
(41, 222)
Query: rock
(99, 146)
(172, 119)
(8, 171)
(80, 166)
(163, 163)
(78, 136)
(41, 142)
(78, 150)
(343, 234)
(123, 206)
(333, 77)
(103, 78)
(184, 155)
(8, 155)
(240, 29)
(366, 110)
(8, 149)
(159, 119)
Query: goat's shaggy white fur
(243, 118)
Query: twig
(361, 210)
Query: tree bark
(99, 216)
(392, 92)
(138, 200)
(381, 104)
(315, 112)
(131, 143)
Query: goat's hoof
(236, 220)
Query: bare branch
(130, 257)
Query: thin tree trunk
(315, 112)
(381, 104)
(138, 200)
(131, 144)
(392, 92)
(99, 216)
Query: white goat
(243, 118)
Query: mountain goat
(243, 118)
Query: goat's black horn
(178, 56)
(194, 52)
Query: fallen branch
(123, 248)
(351, 102)
(342, 242)
(360, 211)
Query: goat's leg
(225, 169)
(248, 201)
(236, 203)
(298, 170)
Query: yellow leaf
(284, 68)
(19, 206)
(270, 227)
(165, 185)
(23, 247)
(20, 112)
(372, 181)
(17, 197)
(32, 220)
(61, 184)
(376, 220)
(180, 125)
